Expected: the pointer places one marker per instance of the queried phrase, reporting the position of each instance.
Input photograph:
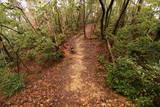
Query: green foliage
(136, 49)
(136, 72)
(122, 40)
(145, 101)
(51, 56)
(102, 60)
(145, 50)
(131, 80)
(10, 83)
(47, 50)
(18, 39)
(36, 47)
(60, 38)
(137, 54)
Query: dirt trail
(77, 67)
(86, 90)
(74, 82)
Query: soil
(76, 81)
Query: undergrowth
(10, 83)
(136, 72)
(131, 80)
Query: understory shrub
(136, 71)
(26, 46)
(47, 50)
(51, 56)
(102, 60)
(130, 79)
(10, 83)
(145, 50)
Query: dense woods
(37, 32)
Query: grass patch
(10, 83)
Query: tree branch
(11, 29)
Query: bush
(124, 77)
(10, 83)
(131, 80)
(102, 60)
(48, 51)
(136, 49)
(141, 47)
(51, 56)
(145, 50)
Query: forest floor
(76, 81)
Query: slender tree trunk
(122, 21)
(102, 19)
(50, 25)
(59, 22)
(108, 12)
(140, 2)
(84, 19)
(108, 19)
(79, 16)
(126, 2)
(138, 9)
(89, 13)
(58, 14)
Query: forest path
(73, 82)
(84, 90)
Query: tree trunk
(108, 12)
(49, 24)
(140, 2)
(124, 8)
(102, 19)
(58, 15)
(84, 19)
(138, 9)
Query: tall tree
(102, 18)
(108, 13)
(84, 18)
(123, 11)
(140, 2)
(105, 16)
